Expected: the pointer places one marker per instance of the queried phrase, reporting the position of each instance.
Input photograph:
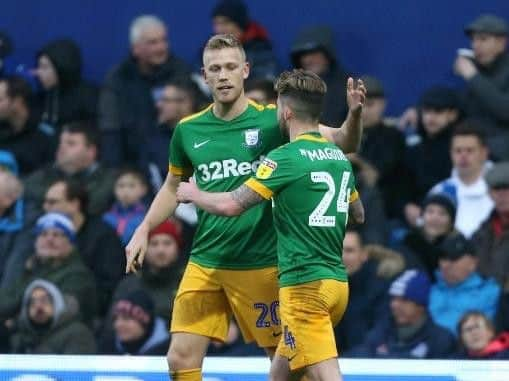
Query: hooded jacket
(321, 39)
(73, 98)
(16, 236)
(65, 335)
(127, 112)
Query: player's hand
(187, 191)
(465, 67)
(136, 249)
(355, 95)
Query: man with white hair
(127, 112)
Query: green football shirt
(223, 155)
(311, 183)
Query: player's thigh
(200, 305)
(253, 296)
(308, 335)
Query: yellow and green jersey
(223, 155)
(311, 183)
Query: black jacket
(127, 112)
(73, 98)
(486, 99)
(320, 38)
(102, 252)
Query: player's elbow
(359, 217)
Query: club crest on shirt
(252, 138)
(265, 169)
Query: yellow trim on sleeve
(354, 196)
(196, 115)
(259, 188)
(177, 171)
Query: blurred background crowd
(80, 162)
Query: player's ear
(245, 70)
(203, 73)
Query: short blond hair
(224, 41)
(305, 92)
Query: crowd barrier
(127, 368)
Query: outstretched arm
(348, 137)
(222, 203)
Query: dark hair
(133, 171)
(305, 92)
(85, 127)
(18, 87)
(190, 88)
(264, 85)
(470, 128)
(75, 190)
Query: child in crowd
(128, 210)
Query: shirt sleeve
(273, 173)
(179, 163)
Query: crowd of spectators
(79, 164)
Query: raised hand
(355, 95)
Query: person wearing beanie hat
(409, 332)
(58, 221)
(232, 17)
(458, 280)
(49, 323)
(65, 96)
(136, 329)
(161, 271)
(486, 76)
(421, 245)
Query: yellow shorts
(207, 298)
(309, 312)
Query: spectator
(20, 134)
(382, 147)
(478, 340)
(65, 96)
(234, 345)
(57, 261)
(97, 243)
(492, 238)
(421, 244)
(129, 209)
(459, 288)
(161, 271)
(428, 158)
(368, 289)
(17, 217)
(232, 17)
(49, 324)
(261, 91)
(137, 330)
(6, 48)
(467, 185)
(374, 229)
(76, 159)
(409, 332)
(178, 99)
(313, 49)
(127, 113)
(487, 80)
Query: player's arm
(356, 211)
(221, 203)
(164, 205)
(348, 137)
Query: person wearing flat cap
(458, 280)
(487, 79)
(492, 238)
(56, 261)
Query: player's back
(311, 211)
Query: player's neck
(298, 128)
(229, 111)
